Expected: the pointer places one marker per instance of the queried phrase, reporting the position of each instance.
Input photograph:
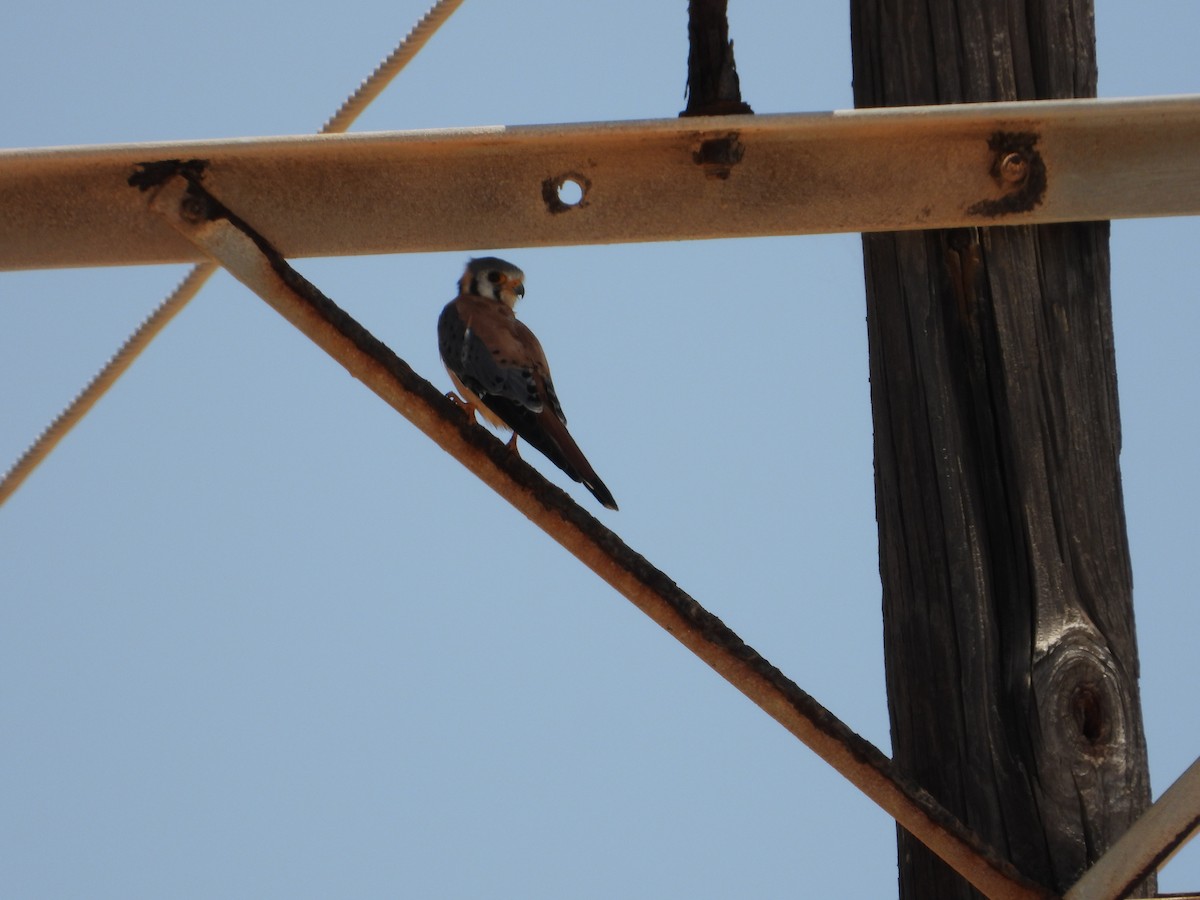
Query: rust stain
(718, 155)
(554, 184)
(1019, 172)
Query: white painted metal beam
(674, 179)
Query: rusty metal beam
(731, 176)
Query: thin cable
(103, 380)
(350, 110)
(374, 84)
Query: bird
(499, 369)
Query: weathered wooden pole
(1007, 594)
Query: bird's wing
(492, 353)
(501, 361)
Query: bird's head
(494, 279)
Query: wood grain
(1008, 619)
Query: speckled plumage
(498, 366)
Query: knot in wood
(1078, 693)
(1088, 752)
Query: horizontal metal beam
(674, 179)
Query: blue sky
(259, 637)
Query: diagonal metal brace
(183, 202)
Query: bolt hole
(570, 192)
(565, 192)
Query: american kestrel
(500, 369)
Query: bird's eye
(495, 277)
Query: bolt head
(1014, 168)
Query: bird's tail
(553, 439)
(544, 432)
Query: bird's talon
(466, 406)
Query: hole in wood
(1088, 709)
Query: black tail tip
(601, 493)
